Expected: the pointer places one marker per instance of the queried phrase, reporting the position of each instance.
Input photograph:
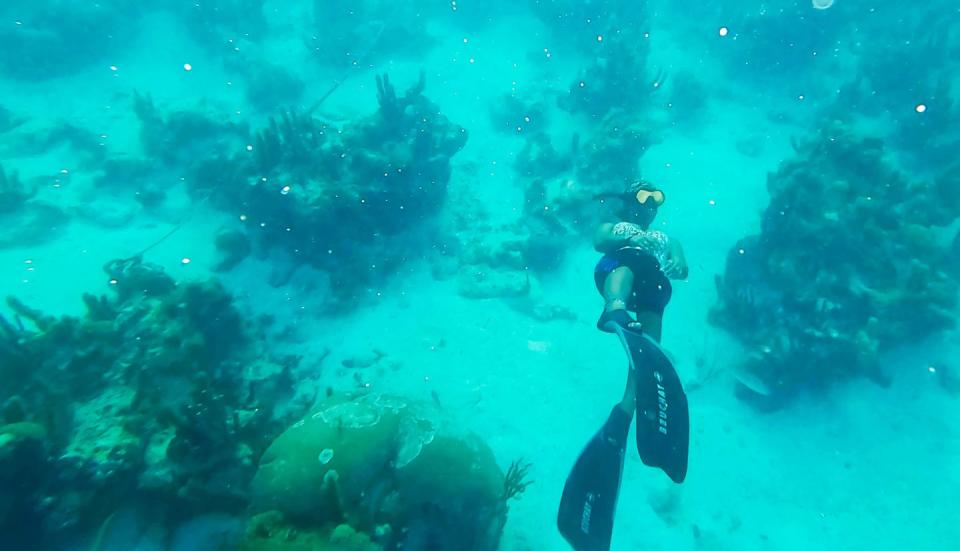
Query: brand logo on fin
(662, 404)
(585, 515)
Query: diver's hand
(676, 263)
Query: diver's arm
(610, 237)
(676, 262)
(606, 240)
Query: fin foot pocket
(663, 416)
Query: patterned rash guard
(655, 243)
(645, 257)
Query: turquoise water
(335, 260)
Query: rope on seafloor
(346, 73)
(164, 237)
(190, 211)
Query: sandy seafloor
(860, 468)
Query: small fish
(752, 381)
(541, 347)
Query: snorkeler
(633, 275)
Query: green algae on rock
(161, 389)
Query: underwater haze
(293, 275)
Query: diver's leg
(617, 287)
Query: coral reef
(221, 24)
(349, 33)
(513, 114)
(26, 220)
(341, 199)
(560, 202)
(577, 24)
(503, 259)
(60, 37)
(614, 39)
(180, 138)
(492, 260)
(953, 257)
(271, 532)
(162, 389)
(846, 266)
(616, 78)
(234, 246)
(875, 93)
(13, 193)
(388, 468)
(771, 43)
(270, 85)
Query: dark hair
(629, 205)
(630, 191)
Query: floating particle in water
(599, 38)
(325, 456)
(249, 148)
(724, 31)
(113, 67)
(921, 108)
(822, 4)
(187, 67)
(284, 190)
(184, 261)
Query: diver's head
(639, 203)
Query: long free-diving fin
(589, 499)
(663, 417)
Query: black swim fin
(589, 499)
(663, 417)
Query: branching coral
(180, 138)
(337, 197)
(13, 193)
(926, 57)
(515, 482)
(616, 79)
(847, 266)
